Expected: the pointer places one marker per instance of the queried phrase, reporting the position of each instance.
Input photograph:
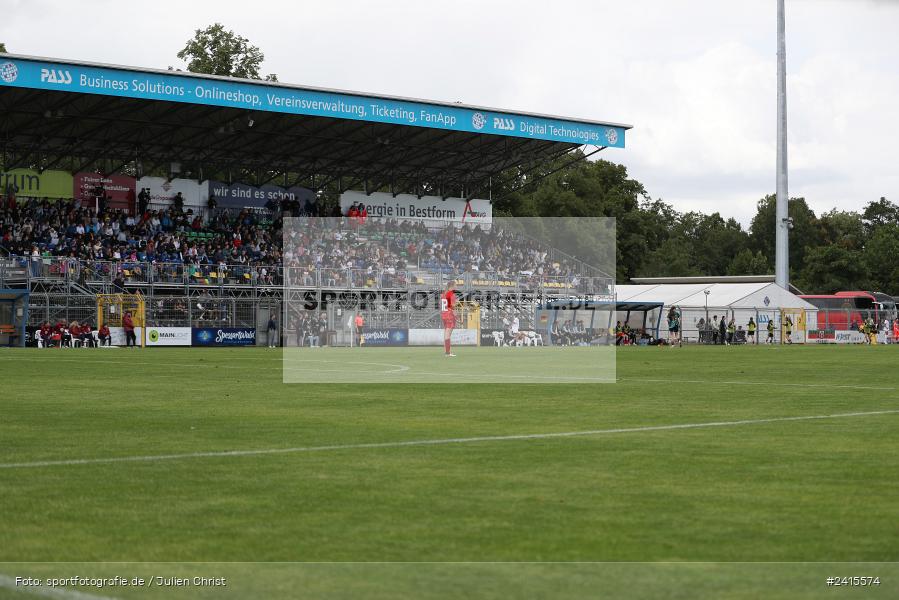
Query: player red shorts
(449, 320)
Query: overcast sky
(696, 78)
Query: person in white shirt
(515, 330)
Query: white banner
(117, 335)
(840, 336)
(434, 337)
(427, 209)
(168, 336)
(162, 191)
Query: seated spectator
(104, 335)
(86, 335)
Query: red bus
(846, 310)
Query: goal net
(470, 316)
(111, 308)
(792, 325)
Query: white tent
(701, 302)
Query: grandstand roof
(56, 113)
(713, 279)
(730, 295)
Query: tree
(762, 231)
(673, 258)
(747, 263)
(843, 229)
(879, 213)
(2, 47)
(715, 241)
(882, 259)
(215, 51)
(831, 268)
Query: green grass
(550, 364)
(820, 490)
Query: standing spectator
(770, 339)
(731, 330)
(272, 331)
(178, 201)
(751, 326)
(298, 330)
(722, 331)
(359, 322)
(323, 330)
(673, 327)
(896, 331)
(143, 201)
(128, 326)
(870, 330)
(788, 329)
(314, 329)
(715, 331)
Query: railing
(138, 274)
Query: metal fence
(61, 307)
(135, 274)
(701, 326)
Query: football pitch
(740, 472)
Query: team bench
(11, 332)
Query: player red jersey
(447, 304)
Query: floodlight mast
(782, 240)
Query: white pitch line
(437, 442)
(776, 383)
(9, 583)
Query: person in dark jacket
(128, 326)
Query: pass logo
(56, 76)
(8, 72)
(503, 124)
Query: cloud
(695, 78)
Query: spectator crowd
(246, 246)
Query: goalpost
(797, 317)
(470, 317)
(112, 307)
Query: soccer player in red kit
(448, 315)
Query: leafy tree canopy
(217, 51)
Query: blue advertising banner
(385, 337)
(161, 85)
(223, 336)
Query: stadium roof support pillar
(782, 240)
